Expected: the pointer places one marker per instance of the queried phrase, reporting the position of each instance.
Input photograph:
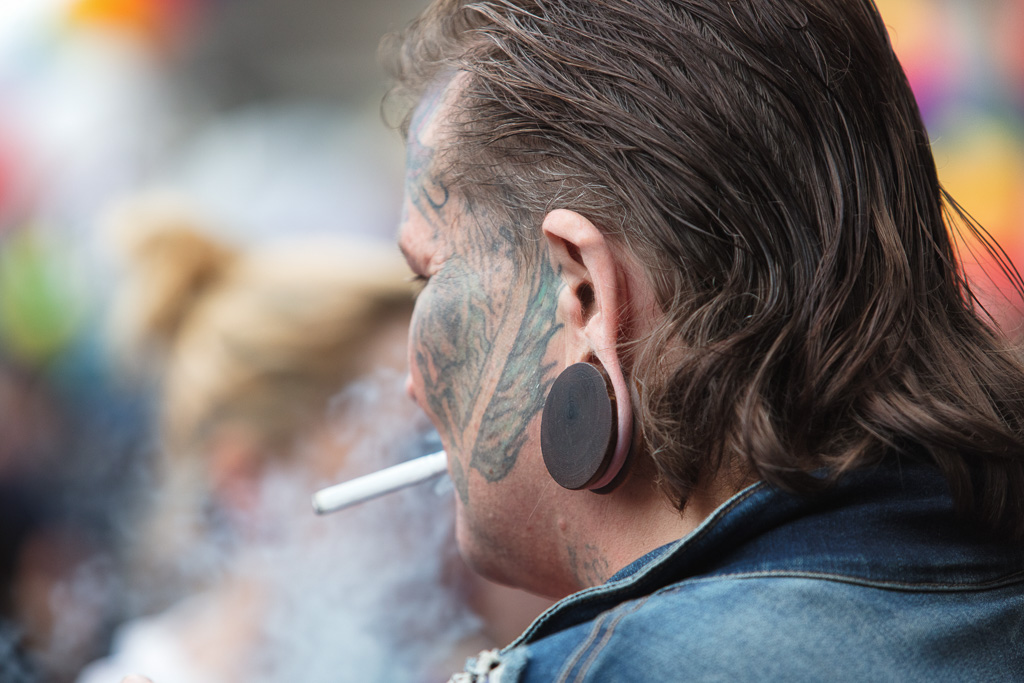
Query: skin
(486, 370)
(483, 350)
(589, 564)
(490, 333)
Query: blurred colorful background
(264, 114)
(965, 61)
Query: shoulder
(710, 628)
(763, 628)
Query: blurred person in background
(70, 462)
(39, 546)
(253, 348)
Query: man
(699, 349)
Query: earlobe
(590, 307)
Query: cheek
(448, 329)
(410, 386)
(414, 351)
(412, 339)
(437, 359)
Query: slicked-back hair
(767, 163)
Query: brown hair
(769, 164)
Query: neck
(616, 529)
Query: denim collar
(892, 526)
(641, 562)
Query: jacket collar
(892, 526)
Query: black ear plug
(579, 426)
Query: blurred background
(263, 116)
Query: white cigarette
(376, 484)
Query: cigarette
(375, 484)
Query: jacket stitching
(596, 650)
(912, 587)
(578, 653)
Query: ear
(591, 308)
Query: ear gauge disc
(579, 426)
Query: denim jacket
(875, 580)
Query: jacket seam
(905, 586)
(597, 646)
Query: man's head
(758, 168)
(494, 325)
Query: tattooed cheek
(444, 318)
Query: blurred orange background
(965, 61)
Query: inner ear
(585, 294)
(574, 252)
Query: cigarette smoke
(376, 596)
(372, 593)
